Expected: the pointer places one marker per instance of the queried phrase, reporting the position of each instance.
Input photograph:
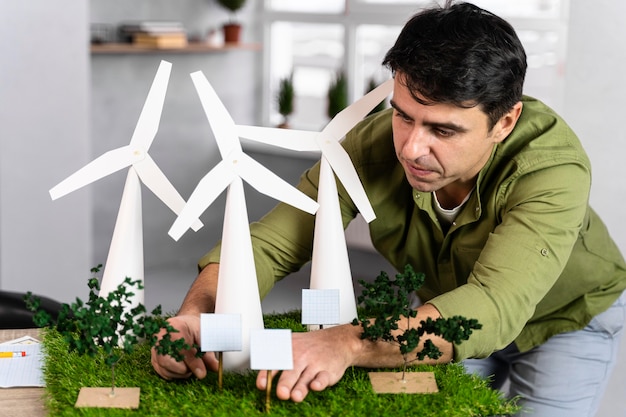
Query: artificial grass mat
(65, 373)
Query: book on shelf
(160, 40)
(157, 34)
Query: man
(483, 190)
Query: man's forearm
(201, 296)
(201, 299)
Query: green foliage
(232, 5)
(111, 326)
(460, 394)
(337, 94)
(285, 96)
(372, 84)
(386, 301)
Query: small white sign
(270, 349)
(320, 306)
(220, 332)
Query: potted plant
(113, 326)
(285, 98)
(232, 29)
(385, 303)
(337, 94)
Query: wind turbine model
(330, 267)
(125, 258)
(237, 288)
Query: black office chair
(15, 315)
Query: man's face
(441, 146)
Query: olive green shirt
(526, 255)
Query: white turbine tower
(330, 267)
(237, 290)
(125, 258)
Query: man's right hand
(188, 327)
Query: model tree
(111, 325)
(386, 301)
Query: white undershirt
(447, 216)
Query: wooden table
(21, 401)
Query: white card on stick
(320, 306)
(271, 349)
(220, 332)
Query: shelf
(191, 48)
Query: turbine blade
(157, 182)
(342, 165)
(351, 115)
(150, 117)
(207, 190)
(100, 167)
(220, 120)
(270, 184)
(296, 140)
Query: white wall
(594, 107)
(45, 246)
(594, 101)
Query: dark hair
(463, 55)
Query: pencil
(12, 354)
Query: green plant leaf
(386, 301)
(110, 325)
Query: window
(315, 40)
(313, 52)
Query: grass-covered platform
(65, 373)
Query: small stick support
(220, 369)
(268, 391)
(112, 393)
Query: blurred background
(74, 77)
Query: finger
(286, 382)
(308, 382)
(168, 375)
(300, 390)
(320, 382)
(194, 364)
(261, 379)
(294, 385)
(168, 368)
(210, 361)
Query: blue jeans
(564, 377)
